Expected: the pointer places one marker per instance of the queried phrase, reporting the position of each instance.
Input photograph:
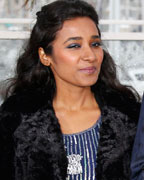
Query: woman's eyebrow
(73, 38)
(79, 38)
(95, 37)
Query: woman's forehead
(80, 26)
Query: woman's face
(77, 53)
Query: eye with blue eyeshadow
(74, 45)
(96, 44)
(77, 45)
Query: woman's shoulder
(17, 105)
(117, 134)
(24, 102)
(125, 101)
(127, 105)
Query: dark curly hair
(32, 74)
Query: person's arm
(8, 123)
(137, 163)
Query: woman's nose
(88, 54)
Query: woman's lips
(88, 70)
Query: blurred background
(121, 23)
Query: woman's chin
(88, 83)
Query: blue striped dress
(81, 151)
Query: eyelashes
(96, 44)
(74, 45)
(77, 45)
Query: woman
(67, 115)
(137, 164)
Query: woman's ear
(45, 59)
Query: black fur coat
(31, 143)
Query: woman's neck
(74, 98)
(76, 109)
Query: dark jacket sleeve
(8, 123)
(137, 163)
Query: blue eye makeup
(96, 44)
(74, 46)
